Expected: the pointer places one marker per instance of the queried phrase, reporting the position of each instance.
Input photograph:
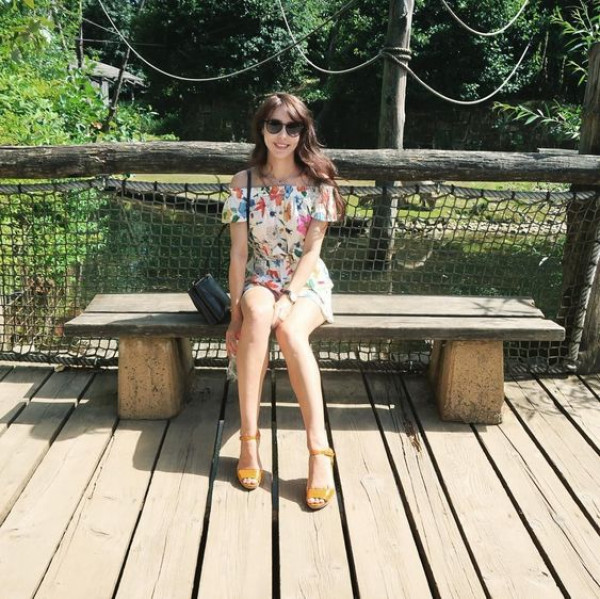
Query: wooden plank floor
(95, 507)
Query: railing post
(590, 144)
(581, 276)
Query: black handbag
(210, 299)
(208, 296)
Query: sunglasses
(274, 126)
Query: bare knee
(291, 337)
(257, 312)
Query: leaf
(29, 3)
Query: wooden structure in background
(88, 160)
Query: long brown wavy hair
(308, 155)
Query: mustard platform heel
(252, 473)
(327, 493)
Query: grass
(179, 178)
(511, 185)
(494, 185)
(446, 208)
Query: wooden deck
(93, 507)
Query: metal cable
(453, 100)
(312, 64)
(228, 75)
(483, 33)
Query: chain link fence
(61, 243)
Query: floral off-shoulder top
(279, 220)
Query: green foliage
(447, 57)
(350, 111)
(33, 225)
(466, 66)
(561, 120)
(47, 238)
(204, 38)
(101, 40)
(208, 38)
(580, 29)
(45, 98)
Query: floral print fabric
(279, 219)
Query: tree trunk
(392, 116)
(582, 268)
(114, 103)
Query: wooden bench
(466, 368)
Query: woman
(284, 286)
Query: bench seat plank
(363, 327)
(466, 367)
(343, 303)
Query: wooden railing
(20, 162)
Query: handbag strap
(224, 226)
(248, 190)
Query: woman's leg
(252, 360)
(293, 338)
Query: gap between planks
(30, 435)
(563, 534)
(36, 524)
(506, 556)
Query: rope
(483, 33)
(111, 31)
(430, 89)
(312, 64)
(397, 54)
(228, 75)
(437, 221)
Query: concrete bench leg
(154, 374)
(468, 378)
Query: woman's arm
(237, 271)
(312, 250)
(237, 265)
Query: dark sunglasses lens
(274, 126)
(294, 128)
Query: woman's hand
(283, 307)
(232, 335)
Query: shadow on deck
(94, 507)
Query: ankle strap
(250, 437)
(327, 451)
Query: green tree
(45, 98)
(447, 57)
(99, 40)
(204, 38)
(208, 38)
(560, 119)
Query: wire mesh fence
(61, 243)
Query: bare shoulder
(240, 179)
(308, 181)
